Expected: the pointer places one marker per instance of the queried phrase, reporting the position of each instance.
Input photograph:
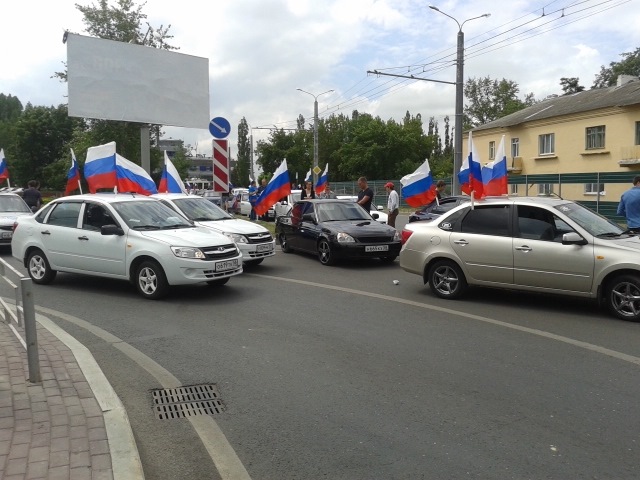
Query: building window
(492, 150)
(546, 144)
(514, 188)
(594, 188)
(637, 133)
(515, 147)
(545, 189)
(595, 137)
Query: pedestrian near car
(328, 193)
(365, 195)
(32, 195)
(263, 185)
(629, 205)
(253, 196)
(308, 191)
(393, 204)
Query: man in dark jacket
(32, 195)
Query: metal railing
(24, 317)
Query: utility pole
(315, 132)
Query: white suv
(126, 236)
(254, 241)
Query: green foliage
(571, 85)
(629, 65)
(10, 108)
(240, 174)
(492, 99)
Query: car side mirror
(573, 238)
(308, 217)
(111, 229)
(375, 216)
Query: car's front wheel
(325, 253)
(39, 269)
(284, 243)
(623, 297)
(151, 281)
(446, 280)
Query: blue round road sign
(220, 127)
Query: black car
(435, 209)
(334, 229)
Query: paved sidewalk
(69, 426)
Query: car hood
(631, 243)
(359, 227)
(234, 225)
(7, 218)
(187, 237)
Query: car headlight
(396, 236)
(344, 238)
(188, 252)
(236, 237)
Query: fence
(24, 317)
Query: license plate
(7, 234)
(227, 265)
(376, 248)
(267, 247)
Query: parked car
(123, 236)
(245, 206)
(376, 211)
(284, 205)
(213, 197)
(334, 229)
(436, 209)
(537, 244)
(12, 207)
(254, 241)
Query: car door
(482, 241)
(309, 230)
(59, 235)
(542, 261)
(293, 226)
(100, 253)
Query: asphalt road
(337, 372)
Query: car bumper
(356, 250)
(253, 251)
(187, 271)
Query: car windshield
(201, 209)
(592, 222)
(336, 211)
(13, 204)
(147, 215)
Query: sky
(261, 51)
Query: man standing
(32, 195)
(393, 204)
(365, 195)
(263, 185)
(328, 193)
(629, 205)
(253, 196)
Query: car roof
(172, 196)
(106, 197)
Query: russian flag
(418, 188)
(322, 180)
(73, 176)
(133, 178)
(309, 176)
(494, 174)
(463, 177)
(170, 181)
(100, 167)
(279, 186)
(4, 171)
(474, 169)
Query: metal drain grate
(186, 401)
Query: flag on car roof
(470, 174)
(418, 188)
(170, 181)
(4, 170)
(73, 176)
(494, 174)
(279, 186)
(100, 167)
(133, 178)
(322, 180)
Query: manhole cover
(187, 401)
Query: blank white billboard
(121, 81)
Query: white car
(123, 236)
(376, 213)
(12, 207)
(284, 205)
(254, 241)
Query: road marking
(541, 333)
(214, 440)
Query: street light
(315, 131)
(457, 140)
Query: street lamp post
(315, 131)
(457, 139)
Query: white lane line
(541, 333)
(220, 450)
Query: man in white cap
(393, 203)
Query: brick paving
(52, 430)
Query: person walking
(365, 195)
(629, 206)
(393, 204)
(32, 195)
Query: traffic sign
(221, 166)
(219, 127)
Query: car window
(487, 220)
(65, 214)
(308, 209)
(43, 213)
(95, 217)
(10, 203)
(535, 223)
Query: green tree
(492, 99)
(240, 174)
(571, 85)
(10, 108)
(629, 65)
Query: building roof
(587, 100)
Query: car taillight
(405, 236)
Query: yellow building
(583, 146)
